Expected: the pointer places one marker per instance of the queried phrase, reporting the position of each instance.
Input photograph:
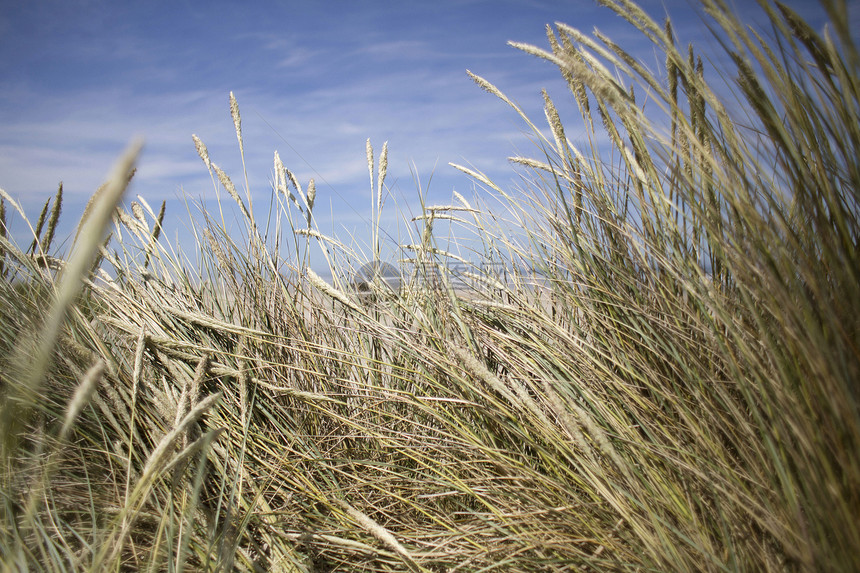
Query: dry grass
(677, 390)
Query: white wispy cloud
(313, 81)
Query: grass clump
(664, 377)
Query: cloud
(311, 84)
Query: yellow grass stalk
(237, 122)
(202, 151)
(380, 533)
(52, 220)
(36, 496)
(90, 232)
(329, 290)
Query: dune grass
(665, 380)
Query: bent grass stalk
(23, 394)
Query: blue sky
(314, 80)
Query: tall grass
(664, 379)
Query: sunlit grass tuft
(652, 364)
